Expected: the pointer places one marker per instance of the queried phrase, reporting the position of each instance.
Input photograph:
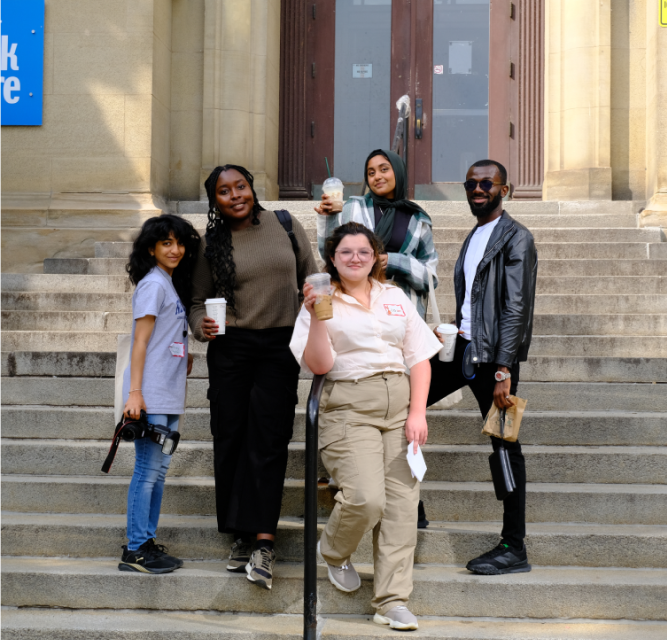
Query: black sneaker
(161, 551)
(502, 559)
(239, 556)
(143, 560)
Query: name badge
(177, 349)
(395, 310)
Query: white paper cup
(216, 308)
(448, 333)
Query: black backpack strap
(286, 220)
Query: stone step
(547, 268)
(546, 592)
(464, 219)
(621, 346)
(446, 463)
(553, 396)
(450, 250)
(589, 304)
(645, 285)
(197, 538)
(447, 501)
(451, 207)
(536, 369)
(53, 624)
(570, 428)
(563, 325)
(51, 301)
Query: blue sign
(22, 61)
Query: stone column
(655, 213)
(241, 85)
(577, 99)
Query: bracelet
(133, 390)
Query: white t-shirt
(390, 336)
(474, 255)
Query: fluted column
(241, 68)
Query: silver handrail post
(310, 512)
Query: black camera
(130, 430)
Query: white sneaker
(345, 578)
(399, 617)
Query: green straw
(328, 170)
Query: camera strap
(115, 442)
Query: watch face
(499, 376)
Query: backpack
(285, 220)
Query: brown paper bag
(513, 417)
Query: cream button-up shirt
(390, 336)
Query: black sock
(267, 544)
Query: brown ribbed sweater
(269, 276)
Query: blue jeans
(144, 497)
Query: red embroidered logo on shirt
(395, 310)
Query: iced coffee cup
(216, 308)
(322, 287)
(333, 188)
(448, 332)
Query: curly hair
(219, 248)
(332, 242)
(158, 229)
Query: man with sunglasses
(494, 284)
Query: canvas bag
(513, 417)
(457, 396)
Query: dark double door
(472, 71)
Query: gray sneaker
(399, 617)
(260, 567)
(345, 578)
(239, 556)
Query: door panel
(461, 90)
(362, 84)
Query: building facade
(142, 98)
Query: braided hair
(219, 248)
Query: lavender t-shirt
(166, 366)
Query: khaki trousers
(363, 446)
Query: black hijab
(385, 227)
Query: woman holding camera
(405, 229)
(248, 258)
(371, 411)
(160, 266)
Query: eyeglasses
(364, 254)
(485, 185)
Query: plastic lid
(318, 277)
(447, 328)
(215, 301)
(332, 182)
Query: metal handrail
(310, 512)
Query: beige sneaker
(345, 578)
(260, 567)
(399, 617)
(239, 556)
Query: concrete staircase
(594, 438)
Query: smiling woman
(405, 229)
(248, 259)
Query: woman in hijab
(403, 226)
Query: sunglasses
(485, 185)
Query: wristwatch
(500, 376)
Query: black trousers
(447, 377)
(253, 380)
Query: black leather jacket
(503, 294)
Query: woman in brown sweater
(248, 258)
